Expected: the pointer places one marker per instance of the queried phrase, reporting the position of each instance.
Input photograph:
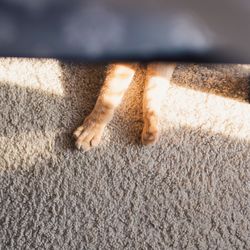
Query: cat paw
(149, 135)
(89, 134)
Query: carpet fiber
(190, 191)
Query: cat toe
(82, 145)
(88, 136)
(149, 136)
(78, 132)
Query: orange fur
(118, 79)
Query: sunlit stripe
(186, 107)
(44, 75)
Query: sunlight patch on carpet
(44, 75)
(187, 107)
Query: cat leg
(157, 80)
(118, 78)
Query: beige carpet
(190, 191)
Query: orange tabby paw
(149, 135)
(88, 135)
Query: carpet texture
(190, 191)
